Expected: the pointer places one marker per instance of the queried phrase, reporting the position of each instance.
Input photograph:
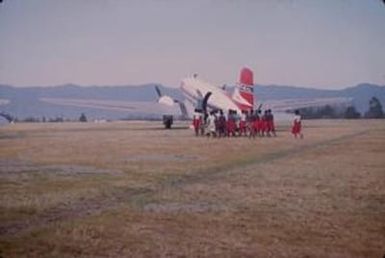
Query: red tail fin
(243, 94)
(246, 77)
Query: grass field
(132, 189)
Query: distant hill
(26, 102)
(360, 93)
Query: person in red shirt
(296, 129)
(231, 126)
(197, 122)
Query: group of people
(217, 124)
(251, 124)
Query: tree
(327, 112)
(83, 118)
(375, 109)
(352, 113)
(31, 119)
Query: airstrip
(133, 189)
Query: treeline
(58, 119)
(44, 120)
(333, 112)
(82, 118)
(375, 110)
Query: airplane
(203, 97)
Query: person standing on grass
(231, 126)
(221, 124)
(242, 124)
(197, 122)
(264, 125)
(296, 130)
(211, 130)
(254, 128)
(250, 123)
(271, 122)
(260, 123)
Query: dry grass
(129, 189)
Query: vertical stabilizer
(246, 77)
(243, 95)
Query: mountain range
(24, 102)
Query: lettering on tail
(243, 95)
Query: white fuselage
(194, 90)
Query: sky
(328, 44)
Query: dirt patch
(197, 207)
(79, 209)
(11, 135)
(9, 168)
(162, 157)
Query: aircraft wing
(142, 107)
(288, 105)
(4, 101)
(169, 101)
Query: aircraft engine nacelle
(166, 100)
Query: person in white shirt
(242, 124)
(211, 125)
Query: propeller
(7, 116)
(158, 91)
(205, 100)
